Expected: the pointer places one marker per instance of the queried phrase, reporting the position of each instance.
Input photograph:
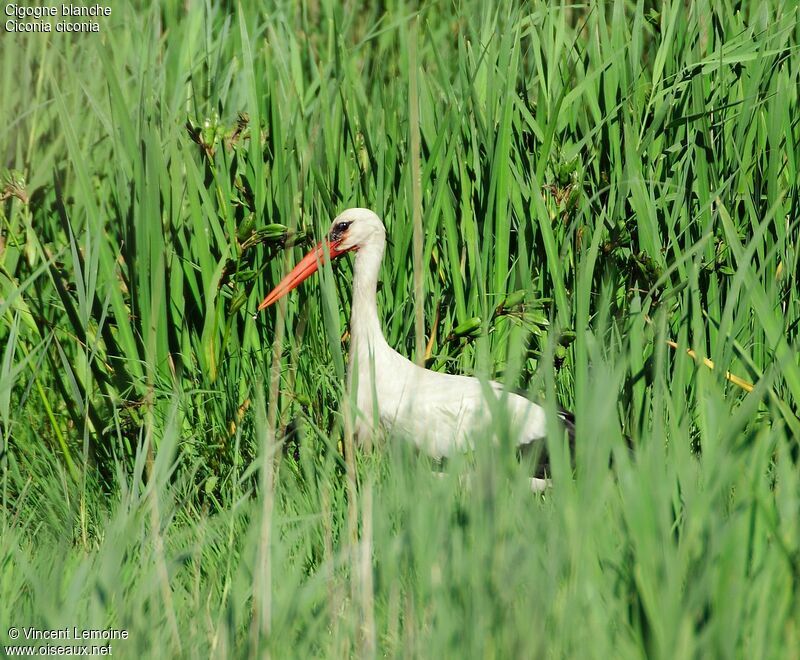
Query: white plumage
(440, 413)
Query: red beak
(302, 271)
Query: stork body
(440, 413)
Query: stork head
(352, 229)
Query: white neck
(365, 326)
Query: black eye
(339, 229)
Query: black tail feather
(568, 420)
(542, 456)
(537, 453)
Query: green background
(594, 180)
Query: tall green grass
(590, 181)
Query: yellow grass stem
(747, 387)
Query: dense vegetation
(601, 187)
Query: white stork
(440, 413)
